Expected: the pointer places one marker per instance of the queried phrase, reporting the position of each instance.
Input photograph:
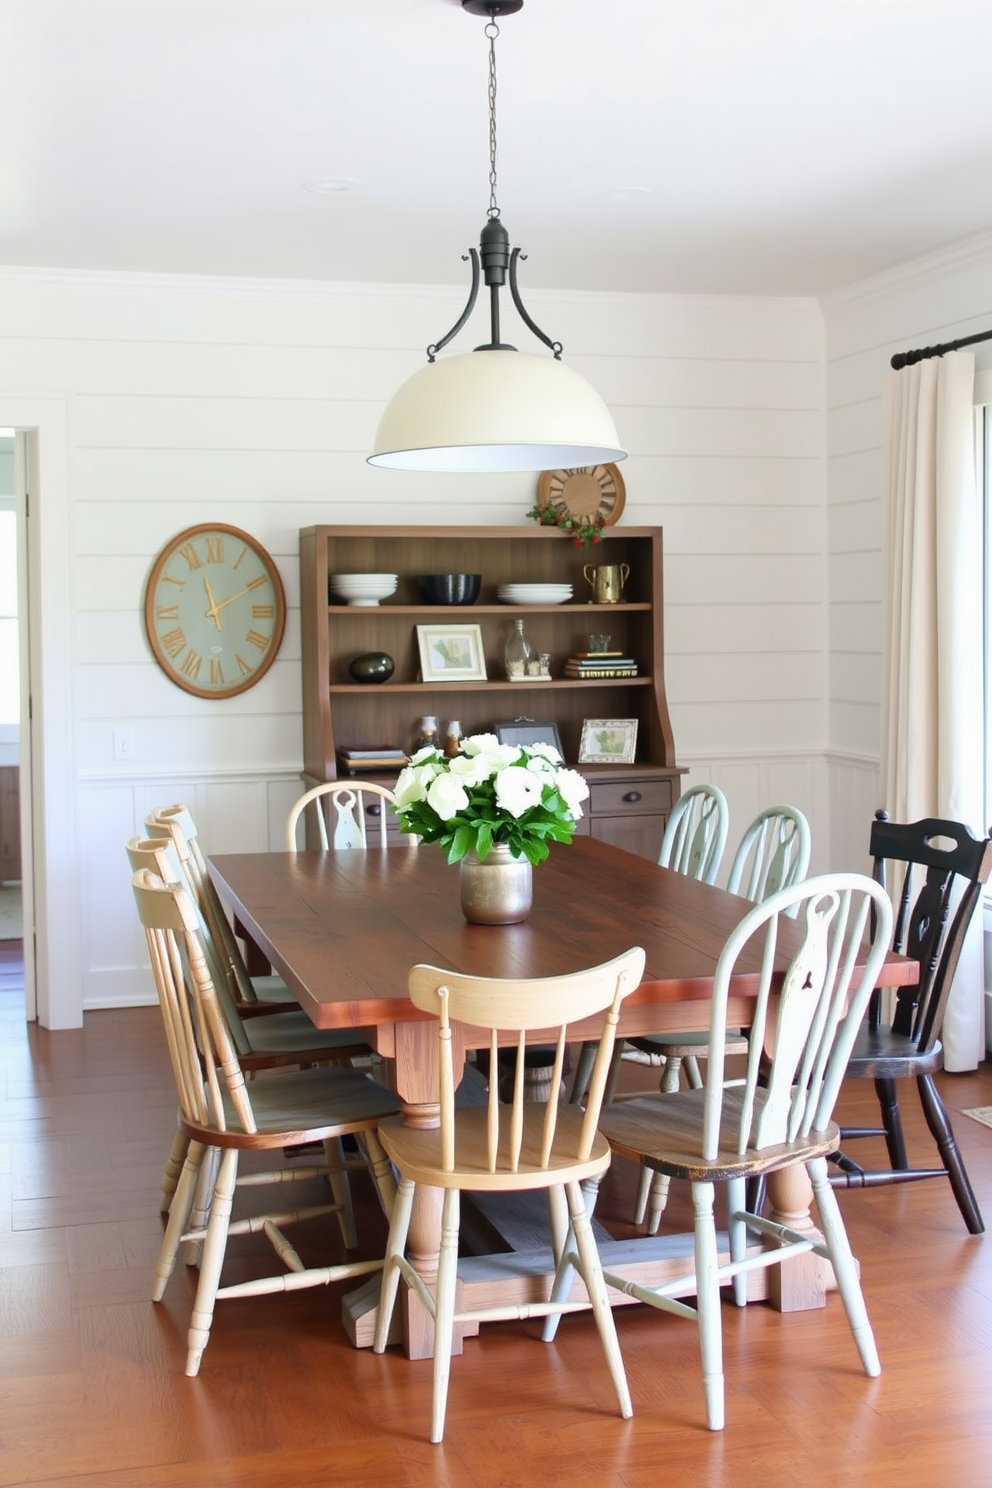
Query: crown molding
(219, 286)
(974, 251)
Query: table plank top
(344, 928)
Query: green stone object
(374, 666)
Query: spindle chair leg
(200, 1213)
(592, 1275)
(844, 1264)
(895, 1142)
(341, 1189)
(940, 1129)
(395, 1247)
(444, 1314)
(381, 1169)
(212, 1259)
(708, 1302)
(173, 1168)
(179, 1212)
(737, 1234)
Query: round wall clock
(214, 610)
(589, 491)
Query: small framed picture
(529, 731)
(608, 741)
(451, 653)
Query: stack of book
(383, 759)
(592, 665)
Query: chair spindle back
(696, 834)
(806, 1015)
(931, 928)
(502, 1006)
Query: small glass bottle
(519, 652)
(453, 738)
(426, 733)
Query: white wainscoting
(233, 813)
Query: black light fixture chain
(492, 31)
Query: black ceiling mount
(493, 7)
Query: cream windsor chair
(507, 1148)
(221, 1113)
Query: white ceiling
(753, 146)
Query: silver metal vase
(498, 891)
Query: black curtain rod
(923, 353)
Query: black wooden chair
(932, 932)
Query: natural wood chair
(944, 868)
(284, 1036)
(251, 993)
(349, 813)
(507, 1148)
(221, 1113)
(805, 1022)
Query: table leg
(800, 1284)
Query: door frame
(53, 960)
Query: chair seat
(305, 1105)
(270, 992)
(291, 1038)
(881, 1053)
(665, 1133)
(418, 1152)
(684, 1045)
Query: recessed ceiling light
(332, 185)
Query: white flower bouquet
(490, 792)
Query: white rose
(473, 769)
(517, 790)
(447, 796)
(429, 752)
(545, 751)
(478, 743)
(573, 788)
(411, 785)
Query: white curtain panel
(932, 608)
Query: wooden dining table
(343, 928)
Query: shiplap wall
(254, 403)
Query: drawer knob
(375, 810)
(632, 796)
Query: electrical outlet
(123, 745)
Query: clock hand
(253, 585)
(213, 612)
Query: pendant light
(495, 408)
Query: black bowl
(450, 589)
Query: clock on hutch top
(585, 493)
(214, 610)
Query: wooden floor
(91, 1372)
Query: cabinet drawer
(633, 797)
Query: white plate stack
(534, 594)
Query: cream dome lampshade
(495, 408)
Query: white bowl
(362, 589)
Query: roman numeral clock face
(214, 611)
(585, 493)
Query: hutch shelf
(629, 804)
